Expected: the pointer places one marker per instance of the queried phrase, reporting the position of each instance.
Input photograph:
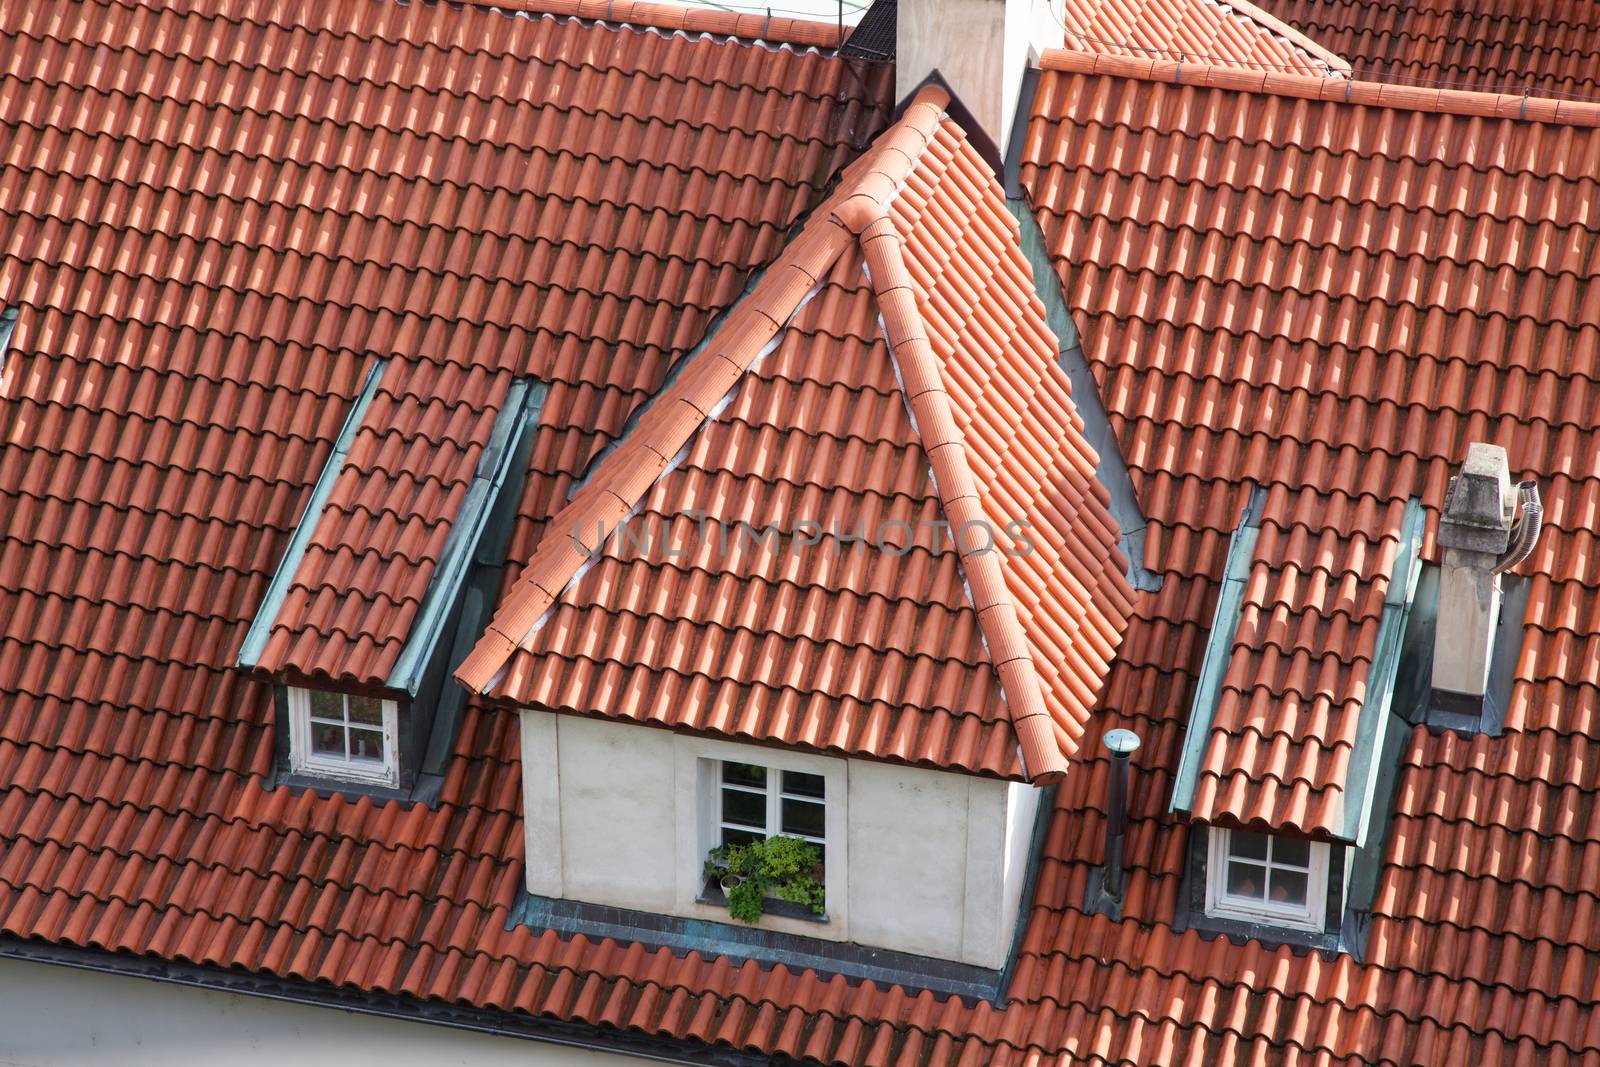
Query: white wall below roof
(55, 1016)
(920, 861)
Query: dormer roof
(981, 651)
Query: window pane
(1288, 887)
(730, 836)
(1246, 845)
(326, 705)
(366, 744)
(802, 784)
(367, 710)
(746, 809)
(327, 739)
(1288, 850)
(1247, 880)
(744, 774)
(804, 818)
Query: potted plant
(783, 867)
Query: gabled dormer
(1331, 639)
(388, 573)
(848, 585)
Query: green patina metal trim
(524, 401)
(1224, 627)
(255, 639)
(8, 326)
(1372, 730)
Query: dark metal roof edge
(1214, 663)
(386, 1005)
(738, 944)
(255, 639)
(523, 402)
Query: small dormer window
(343, 736)
(758, 802)
(1267, 879)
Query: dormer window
(1267, 879)
(343, 736)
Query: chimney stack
(979, 47)
(1475, 530)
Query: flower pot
(730, 882)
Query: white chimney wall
(1474, 529)
(979, 47)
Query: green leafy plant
(783, 867)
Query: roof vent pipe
(1525, 534)
(1122, 743)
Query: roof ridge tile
(1526, 108)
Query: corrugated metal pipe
(1530, 522)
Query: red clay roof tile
(1235, 33)
(1552, 49)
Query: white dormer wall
(927, 862)
(979, 47)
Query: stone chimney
(1474, 533)
(981, 49)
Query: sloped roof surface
(1283, 733)
(131, 760)
(1546, 46)
(355, 594)
(1234, 32)
(905, 646)
(234, 215)
(1331, 300)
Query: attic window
(1267, 879)
(757, 802)
(343, 736)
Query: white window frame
(1221, 904)
(302, 760)
(774, 796)
(699, 810)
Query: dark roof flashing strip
(736, 944)
(1219, 645)
(523, 402)
(1374, 725)
(255, 639)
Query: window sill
(712, 894)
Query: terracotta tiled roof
(964, 652)
(1404, 278)
(1329, 300)
(1231, 33)
(1548, 46)
(352, 602)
